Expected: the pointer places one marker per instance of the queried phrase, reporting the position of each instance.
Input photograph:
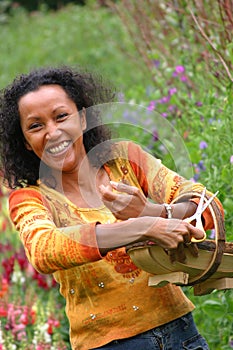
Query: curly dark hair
(20, 166)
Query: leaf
(214, 308)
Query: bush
(171, 74)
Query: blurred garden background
(173, 60)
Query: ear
(83, 119)
(28, 147)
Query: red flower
(3, 311)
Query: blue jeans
(179, 334)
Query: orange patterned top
(107, 297)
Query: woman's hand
(170, 234)
(173, 235)
(128, 201)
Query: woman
(74, 192)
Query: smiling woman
(73, 215)
(53, 127)
(80, 89)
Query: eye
(62, 116)
(35, 126)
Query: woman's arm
(48, 247)
(166, 233)
(129, 202)
(156, 185)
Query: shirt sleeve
(163, 185)
(48, 247)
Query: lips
(59, 148)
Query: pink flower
(39, 347)
(183, 78)
(164, 99)
(151, 106)
(179, 70)
(172, 91)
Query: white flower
(18, 277)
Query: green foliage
(214, 317)
(172, 76)
(76, 35)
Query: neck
(82, 176)
(81, 186)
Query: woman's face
(52, 127)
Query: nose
(52, 131)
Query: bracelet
(168, 208)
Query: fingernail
(114, 184)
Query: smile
(58, 149)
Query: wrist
(168, 210)
(154, 210)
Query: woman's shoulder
(125, 147)
(132, 151)
(24, 193)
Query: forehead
(46, 91)
(44, 96)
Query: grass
(90, 37)
(95, 37)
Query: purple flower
(164, 99)
(164, 115)
(201, 165)
(172, 91)
(179, 69)
(203, 145)
(151, 106)
(171, 108)
(231, 159)
(212, 120)
(212, 234)
(156, 63)
(121, 97)
(195, 177)
(199, 104)
(155, 135)
(183, 78)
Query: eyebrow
(33, 117)
(56, 108)
(53, 111)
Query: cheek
(28, 146)
(34, 145)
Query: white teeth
(59, 148)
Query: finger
(172, 255)
(193, 248)
(196, 233)
(187, 238)
(180, 253)
(121, 187)
(107, 194)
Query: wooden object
(212, 269)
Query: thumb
(121, 187)
(197, 234)
(107, 193)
